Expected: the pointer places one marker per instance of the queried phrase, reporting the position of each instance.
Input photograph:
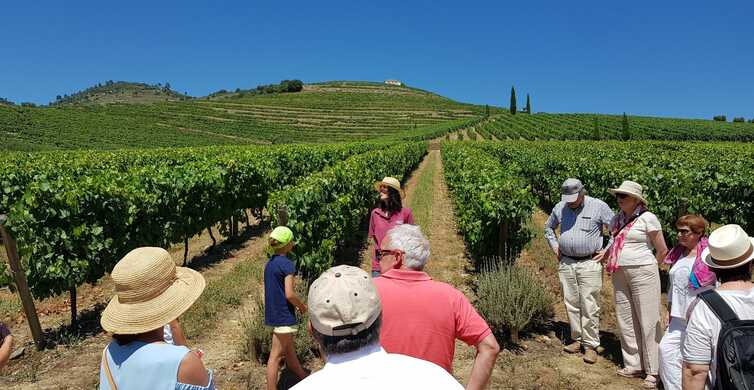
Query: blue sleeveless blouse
(139, 365)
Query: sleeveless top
(139, 365)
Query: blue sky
(666, 58)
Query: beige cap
(343, 301)
(630, 188)
(150, 291)
(729, 247)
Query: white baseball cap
(343, 301)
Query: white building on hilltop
(394, 82)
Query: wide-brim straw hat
(728, 247)
(392, 183)
(150, 292)
(630, 188)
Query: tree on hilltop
(513, 101)
(528, 104)
(625, 128)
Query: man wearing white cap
(345, 315)
(579, 248)
(729, 254)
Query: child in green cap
(279, 302)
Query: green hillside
(327, 112)
(599, 126)
(121, 92)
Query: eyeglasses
(684, 232)
(382, 252)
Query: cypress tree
(625, 128)
(528, 104)
(513, 101)
(486, 110)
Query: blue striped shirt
(580, 228)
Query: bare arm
(192, 371)
(6, 350)
(178, 337)
(290, 294)
(661, 249)
(486, 354)
(694, 376)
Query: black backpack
(735, 346)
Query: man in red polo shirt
(422, 317)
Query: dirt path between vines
(74, 363)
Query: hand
(666, 320)
(600, 256)
(303, 308)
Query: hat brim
(377, 185)
(135, 318)
(615, 191)
(710, 262)
(569, 198)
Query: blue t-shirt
(277, 310)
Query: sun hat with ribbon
(283, 235)
(630, 188)
(392, 183)
(150, 291)
(728, 247)
(343, 301)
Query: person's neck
(281, 253)
(689, 251)
(736, 285)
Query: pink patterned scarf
(701, 275)
(619, 228)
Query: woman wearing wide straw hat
(388, 213)
(150, 291)
(730, 253)
(636, 281)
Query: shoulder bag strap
(106, 367)
(718, 305)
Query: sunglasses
(684, 232)
(621, 196)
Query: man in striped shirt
(579, 248)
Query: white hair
(413, 243)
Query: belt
(579, 258)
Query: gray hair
(413, 243)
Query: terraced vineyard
(597, 126)
(330, 112)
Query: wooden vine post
(23, 288)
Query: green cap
(282, 235)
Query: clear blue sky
(669, 58)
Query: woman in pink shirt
(388, 213)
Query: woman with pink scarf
(688, 277)
(636, 282)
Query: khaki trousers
(581, 282)
(637, 309)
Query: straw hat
(729, 247)
(150, 291)
(343, 301)
(631, 188)
(392, 183)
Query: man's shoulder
(423, 370)
(596, 201)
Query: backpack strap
(718, 305)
